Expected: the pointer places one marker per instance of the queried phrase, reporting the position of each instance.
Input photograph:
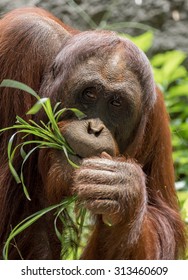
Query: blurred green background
(172, 77)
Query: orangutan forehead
(111, 67)
(115, 67)
(115, 60)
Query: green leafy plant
(46, 135)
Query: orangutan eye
(89, 95)
(116, 102)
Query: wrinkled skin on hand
(111, 187)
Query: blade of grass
(37, 106)
(21, 172)
(37, 132)
(58, 233)
(20, 86)
(59, 113)
(46, 131)
(11, 156)
(30, 220)
(58, 215)
(69, 237)
(80, 222)
(67, 156)
(21, 121)
(22, 152)
(56, 106)
(78, 113)
(51, 116)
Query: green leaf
(52, 120)
(185, 210)
(67, 156)
(143, 41)
(169, 65)
(6, 129)
(158, 76)
(39, 133)
(21, 173)
(179, 90)
(58, 233)
(21, 121)
(56, 106)
(158, 60)
(30, 220)
(78, 113)
(37, 106)
(59, 113)
(180, 72)
(172, 65)
(11, 156)
(22, 152)
(20, 86)
(161, 59)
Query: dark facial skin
(110, 96)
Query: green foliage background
(172, 78)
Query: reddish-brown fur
(30, 39)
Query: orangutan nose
(95, 127)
